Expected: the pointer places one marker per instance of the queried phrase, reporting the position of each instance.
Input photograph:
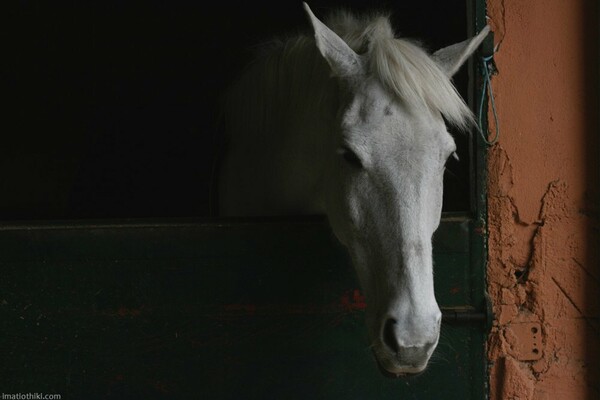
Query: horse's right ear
(340, 57)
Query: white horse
(350, 124)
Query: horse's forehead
(378, 117)
(372, 102)
(396, 125)
(371, 92)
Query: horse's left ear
(451, 58)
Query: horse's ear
(340, 57)
(451, 58)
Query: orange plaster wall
(543, 274)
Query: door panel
(212, 310)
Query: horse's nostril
(389, 335)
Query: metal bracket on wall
(525, 340)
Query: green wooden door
(268, 310)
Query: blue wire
(487, 85)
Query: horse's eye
(350, 157)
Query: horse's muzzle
(401, 355)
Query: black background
(112, 104)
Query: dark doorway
(113, 104)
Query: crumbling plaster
(542, 204)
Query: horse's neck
(277, 162)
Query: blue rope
(487, 86)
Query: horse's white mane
(290, 75)
(402, 66)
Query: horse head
(383, 190)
